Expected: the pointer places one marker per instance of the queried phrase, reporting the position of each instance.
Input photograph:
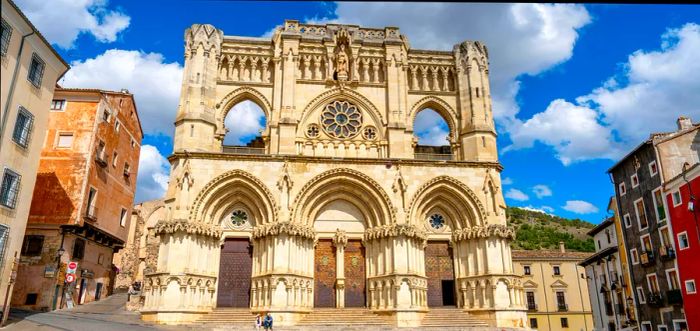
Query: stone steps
(344, 317)
(450, 317)
(229, 316)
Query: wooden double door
(439, 268)
(235, 270)
(325, 274)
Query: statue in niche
(341, 64)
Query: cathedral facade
(335, 204)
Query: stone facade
(340, 181)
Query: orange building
(82, 199)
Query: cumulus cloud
(541, 191)
(651, 90)
(154, 83)
(543, 35)
(244, 121)
(506, 181)
(152, 180)
(544, 209)
(61, 21)
(580, 207)
(517, 195)
(431, 129)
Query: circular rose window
(437, 221)
(239, 218)
(341, 119)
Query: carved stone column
(339, 241)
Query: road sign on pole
(72, 267)
(70, 278)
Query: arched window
(245, 124)
(432, 133)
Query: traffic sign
(72, 267)
(70, 278)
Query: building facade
(29, 70)
(556, 296)
(647, 231)
(341, 207)
(682, 172)
(82, 200)
(607, 283)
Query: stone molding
(395, 230)
(443, 108)
(197, 228)
(484, 231)
(418, 196)
(288, 228)
(224, 105)
(162, 279)
(340, 239)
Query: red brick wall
(324, 274)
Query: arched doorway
(339, 267)
(439, 264)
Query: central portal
(354, 274)
(235, 269)
(440, 272)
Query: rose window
(436, 221)
(312, 131)
(341, 119)
(239, 218)
(369, 133)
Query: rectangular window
(683, 242)
(133, 143)
(641, 214)
(635, 180)
(661, 328)
(122, 217)
(58, 104)
(526, 270)
(36, 70)
(564, 322)
(646, 243)
(91, 211)
(646, 326)
(5, 35)
(23, 127)
(117, 126)
(665, 237)
(634, 255)
(690, 286)
(65, 140)
(557, 270)
(105, 115)
(115, 155)
(622, 188)
(78, 249)
(672, 279)
(640, 295)
(4, 234)
(533, 323)
(561, 301)
(653, 283)
(531, 305)
(628, 220)
(659, 205)
(676, 197)
(680, 325)
(10, 188)
(32, 245)
(127, 169)
(101, 151)
(652, 168)
(31, 298)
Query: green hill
(537, 230)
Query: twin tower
(335, 203)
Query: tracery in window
(341, 119)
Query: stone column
(339, 241)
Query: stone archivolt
(463, 202)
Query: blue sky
(574, 86)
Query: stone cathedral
(335, 204)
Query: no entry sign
(72, 266)
(70, 278)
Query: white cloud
(431, 128)
(543, 35)
(506, 181)
(154, 83)
(541, 191)
(61, 21)
(652, 90)
(153, 172)
(580, 207)
(517, 195)
(544, 209)
(243, 121)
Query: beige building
(556, 294)
(335, 205)
(29, 70)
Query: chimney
(125, 91)
(684, 123)
(562, 248)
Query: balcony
(91, 213)
(433, 157)
(646, 258)
(434, 153)
(531, 306)
(101, 160)
(243, 150)
(667, 253)
(674, 297)
(562, 307)
(655, 300)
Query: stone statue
(341, 63)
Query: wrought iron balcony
(667, 253)
(646, 258)
(531, 306)
(101, 160)
(562, 307)
(655, 300)
(674, 297)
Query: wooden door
(439, 267)
(235, 271)
(324, 274)
(355, 278)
